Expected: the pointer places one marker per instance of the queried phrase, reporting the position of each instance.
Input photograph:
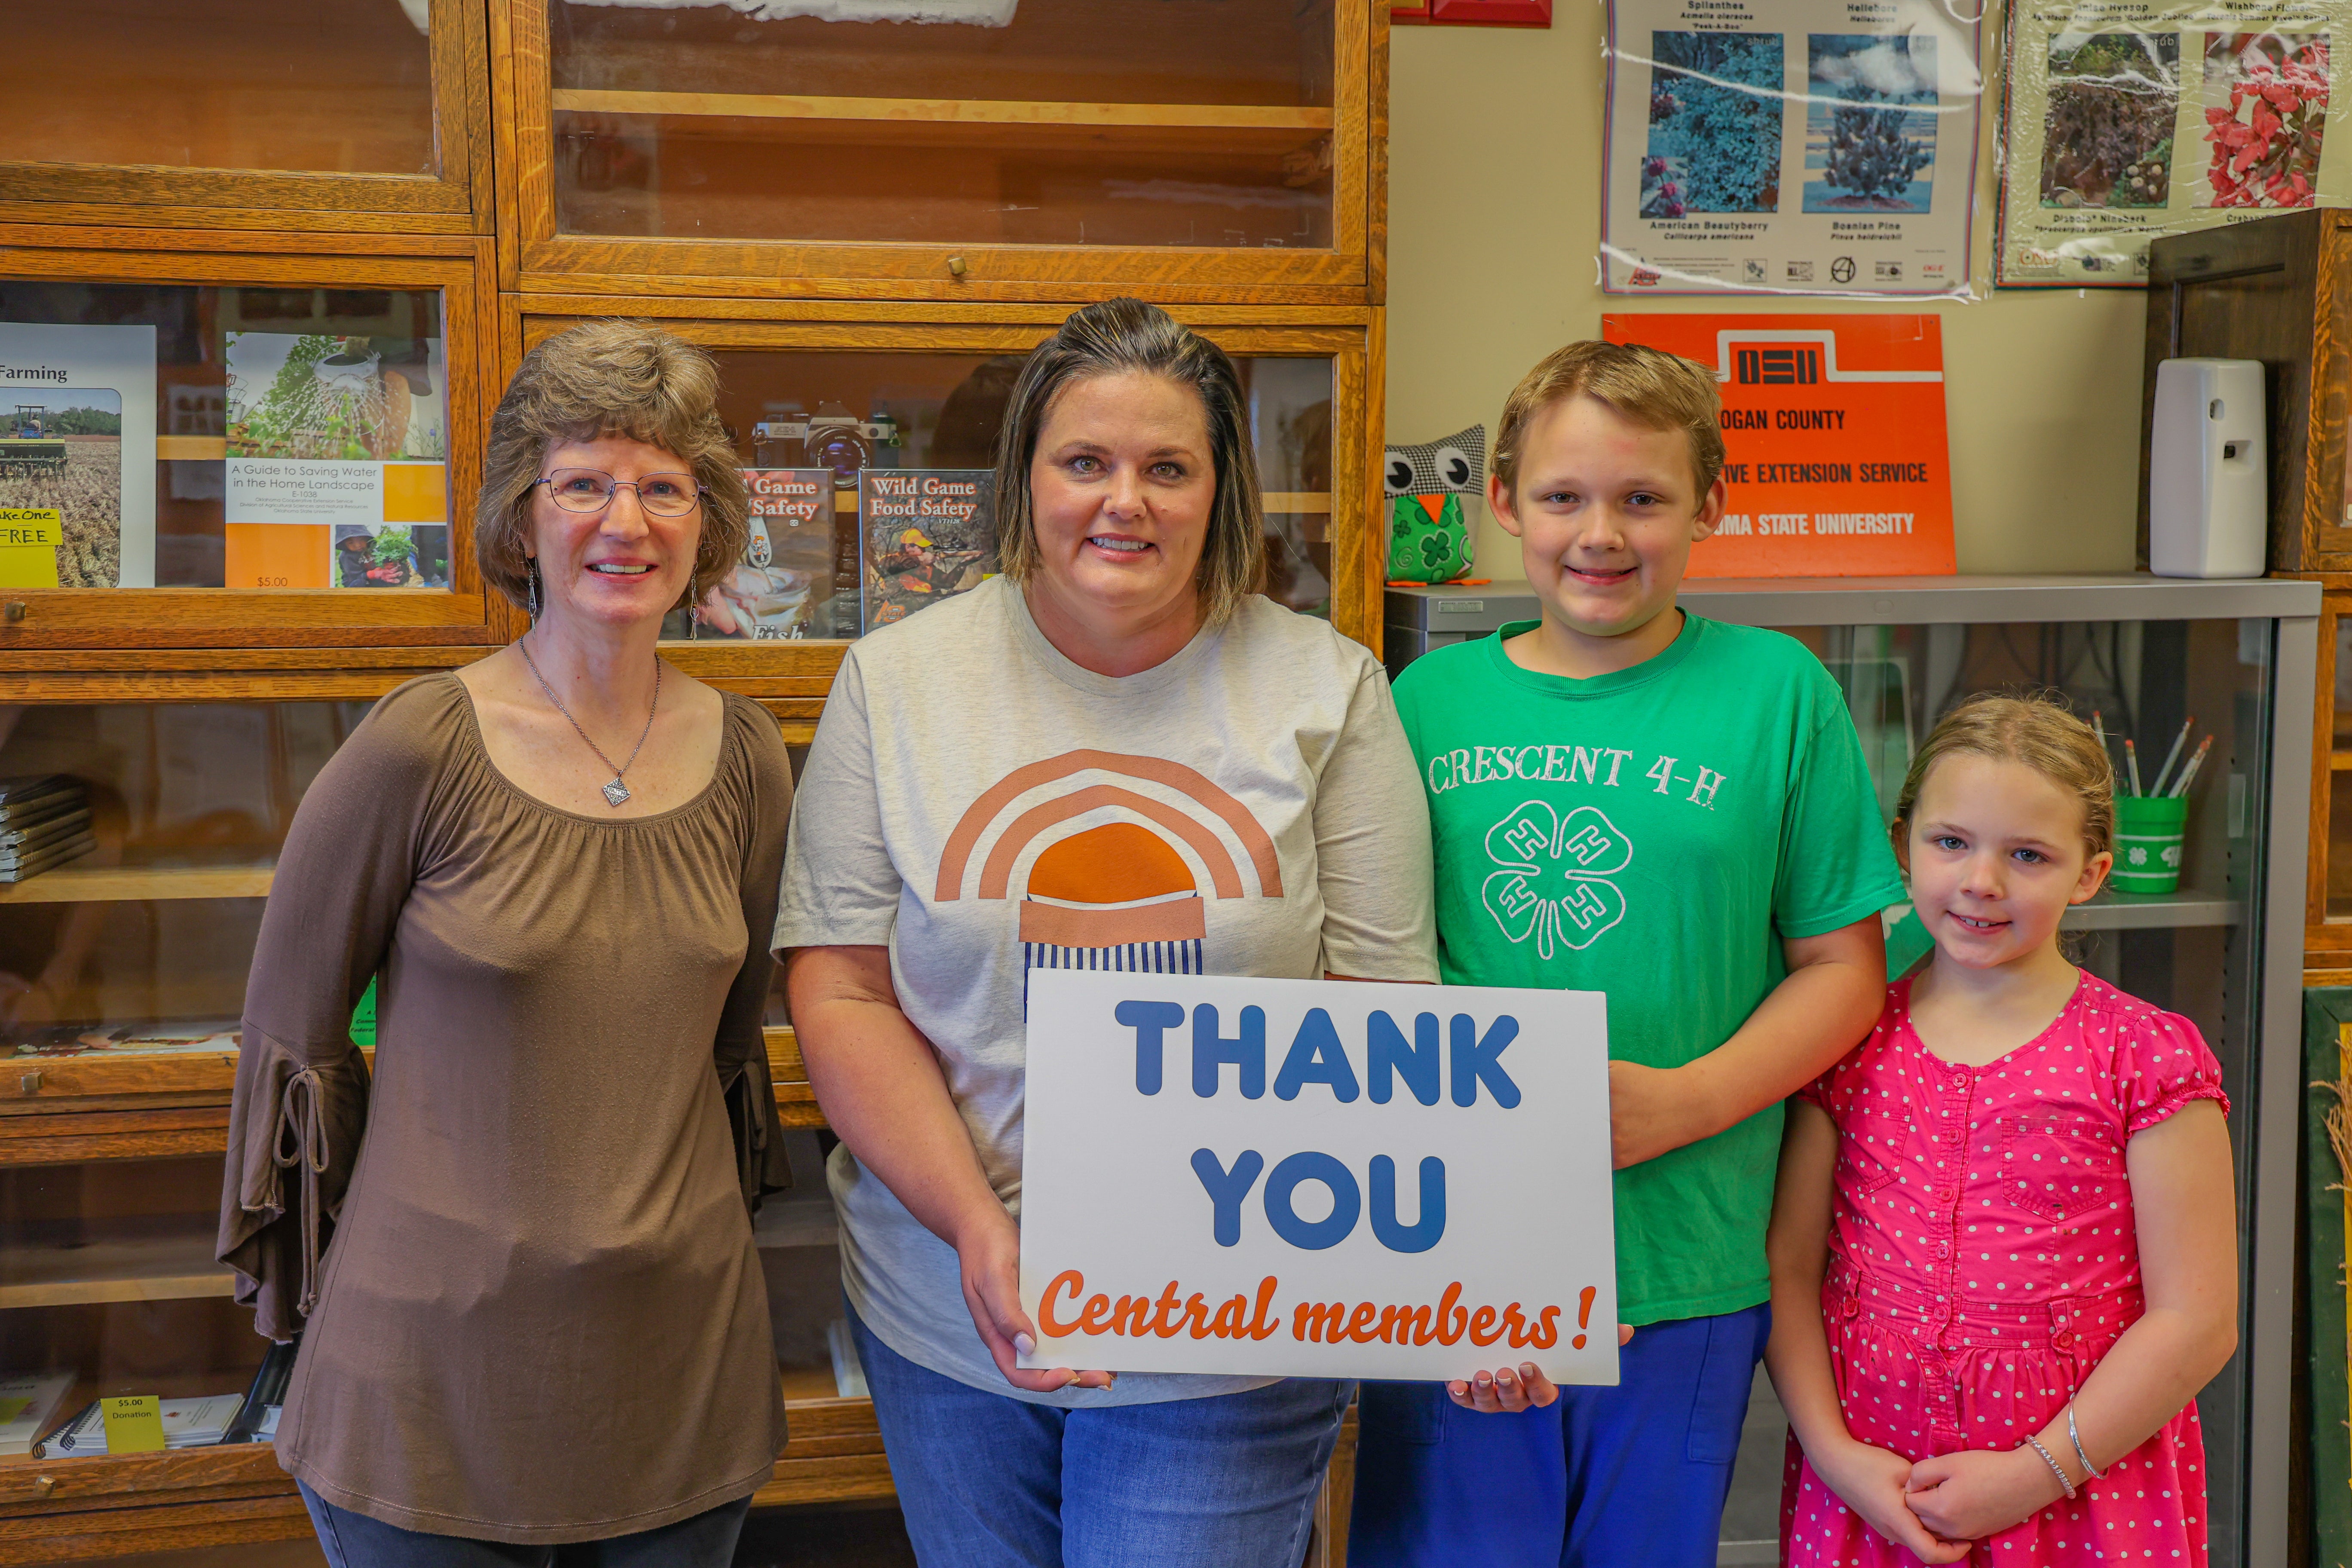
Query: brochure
(784, 586)
(26, 1405)
(337, 473)
(924, 535)
(76, 457)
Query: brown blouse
(534, 1313)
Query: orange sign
(1834, 426)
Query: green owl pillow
(1429, 535)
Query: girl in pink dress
(2005, 1244)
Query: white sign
(1790, 147)
(304, 491)
(1316, 1178)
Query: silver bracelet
(2054, 1464)
(2076, 1438)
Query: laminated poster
(2124, 121)
(1833, 428)
(337, 472)
(784, 588)
(924, 535)
(76, 457)
(1365, 1217)
(1789, 146)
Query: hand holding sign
(1316, 1178)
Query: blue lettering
(1424, 1233)
(1226, 1190)
(1312, 1236)
(1390, 1055)
(1148, 1020)
(1316, 1057)
(1246, 1051)
(1474, 1059)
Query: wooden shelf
(153, 1269)
(80, 884)
(950, 111)
(191, 448)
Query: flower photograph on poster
(2107, 130)
(1714, 124)
(1870, 122)
(2265, 107)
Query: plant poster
(338, 462)
(1789, 147)
(1833, 425)
(2125, 121)
(76, 457)
(924, 535)
(1316, 1178)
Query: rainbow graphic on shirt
(1129, 843)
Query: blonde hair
(1114, 338)
(2036, 731)
(602, 379)
(1647, 385)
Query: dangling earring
(530, 565)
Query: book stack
(43, 822)
(187, 1424)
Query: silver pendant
(617, 793)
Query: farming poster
(76, 457)
(2125, 119)
(338, 454)
(1834, 428)
(1789, 147)
(1314, 1178)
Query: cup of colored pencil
(2151, 819)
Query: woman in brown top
(519, 1257)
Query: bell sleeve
(300, 1101)
(741, 1051)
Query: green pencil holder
(2148, 833)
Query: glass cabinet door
(317, 115)
(243, 463)
(950, 140)
(871, 469)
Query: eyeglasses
(591, 489)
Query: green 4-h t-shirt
(1653, 834)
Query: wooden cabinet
(868, 223)
(946, 149)
(359, 115)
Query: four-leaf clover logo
(1553, 886)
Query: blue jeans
(1607, 1477)
(351, 1540)
(990, 1481)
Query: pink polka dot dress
(1983, 1257)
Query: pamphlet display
(782, 589)
(1833, 425)
(76, 457)
(1789, 147)
(924, 535)
(1317, 1178)
(337, 473)
(2125, 121)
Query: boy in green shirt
(1627, 798)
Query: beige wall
(1495, 216)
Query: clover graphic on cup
(1553, 884)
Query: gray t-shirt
(984, 806)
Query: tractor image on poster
(28, 450)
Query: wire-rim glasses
(591, 489)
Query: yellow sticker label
(23, 525)
(28, 566)
(134, 1424)
(12, 1407)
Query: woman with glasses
(520, 1254)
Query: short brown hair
(600, 379)
(2036, 731)
(1647, 385)
(1113, 338)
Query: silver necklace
(616, 793)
